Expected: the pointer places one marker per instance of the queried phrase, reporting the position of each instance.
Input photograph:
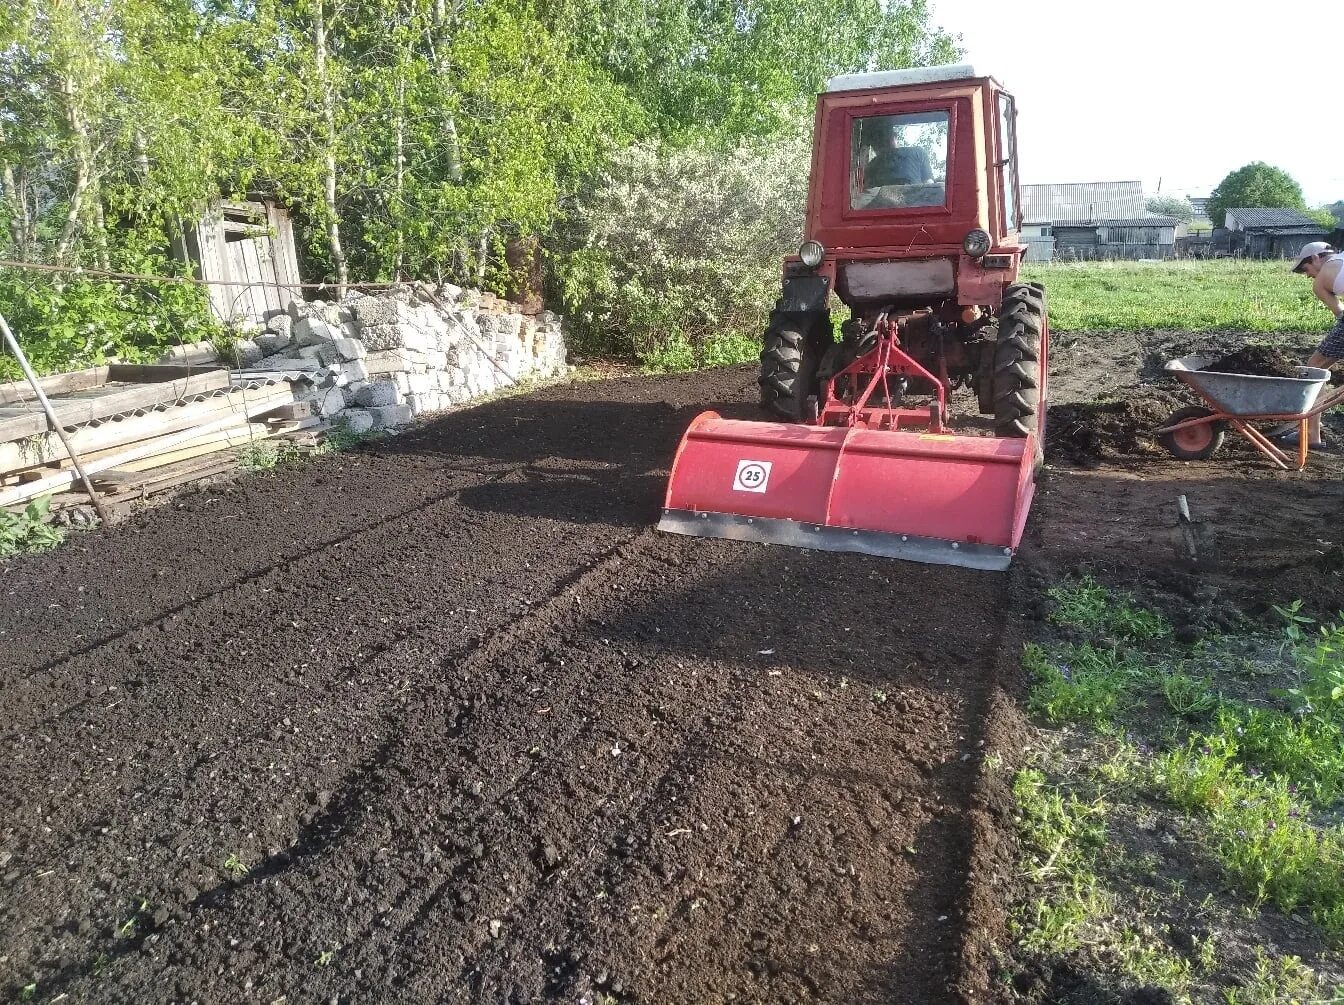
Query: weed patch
(1171, 839)
(1079, 683)
(29, 531)
(1090, 607)
(267, 456)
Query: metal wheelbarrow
(1236, 401)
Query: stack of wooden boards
(139, 429)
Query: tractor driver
(897, 165)
(1325, 267)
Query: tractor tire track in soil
(479, 734)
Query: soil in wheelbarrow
(1255, 361)
(1086, 434)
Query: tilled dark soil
(1255, 361)
(445, 720)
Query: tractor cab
(918, 166)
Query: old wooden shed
(1271, 233)
(248, 247)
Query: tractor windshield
(899, 161)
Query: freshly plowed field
(476, 732)
(446, 720)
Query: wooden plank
(22, 454)
(57, 383)
(155, 373)
(157, 446)
(233, 438)
(73, 413)
(258, 275)
(286, 255)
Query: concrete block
(379, 394)
(449, 293)
(341, 350)
(375, 311)
(300, 309)
(249, 353)
(281, 325)
(383, 361)
(385, 416)
(356, 420)
(417, 338)
(355, 372)
(328, 401)
(420, 383)
(313, 352)
(381, 337)
(313, 331)
(271, 343)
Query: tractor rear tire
(788, 378)
(1019, 380)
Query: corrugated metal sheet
(1242, 219)
(1082, 202)
(1039, 249)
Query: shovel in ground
(1194, 540)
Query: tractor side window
(899, 161)
(1008, 151)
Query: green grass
(1087, 605)
(1198, 296)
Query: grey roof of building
(1302, 229)
(1136, 221)
(1265, 217)
(1082, 202)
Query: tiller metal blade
(926, 497)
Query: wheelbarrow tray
(1248, 395)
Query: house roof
(1302, 230)
(1260, 217)
(1140, 221)
(1082, 202)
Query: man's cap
(1310, 250)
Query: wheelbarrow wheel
(1194, 443)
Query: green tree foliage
(1177, 206)
(1256, 185)
(411, 138)
(1336, 211)
(672, 256)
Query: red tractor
(912, 224)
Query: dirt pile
(1084, 434)
(1255, 361)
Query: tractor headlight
(976, 244)
(813, 254)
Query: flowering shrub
(672, 256)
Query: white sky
(1181, 90)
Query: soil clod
(1255, 361)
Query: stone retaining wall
(374, 361)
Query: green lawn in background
(1222, 294)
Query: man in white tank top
(1325, 267)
